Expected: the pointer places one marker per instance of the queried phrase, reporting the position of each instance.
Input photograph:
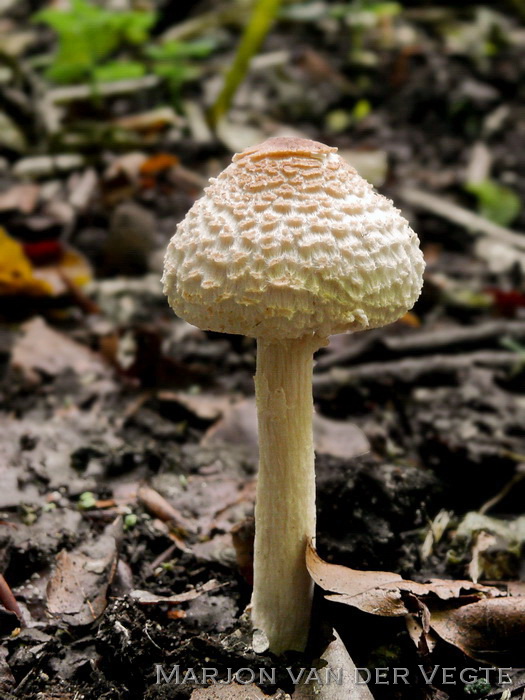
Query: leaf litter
(438, 397)
(481, 620)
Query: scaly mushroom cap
(290, 241)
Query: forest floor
(129, 449)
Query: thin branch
(463, 217)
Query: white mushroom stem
(285, 504)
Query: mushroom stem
(285, 504)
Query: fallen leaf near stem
(243, 535)
(349, 685)
(480, 620)
(385, 593)
(490, 631)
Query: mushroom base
(285, 504)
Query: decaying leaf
(480, 620)
(347, 686)
(147, 598)
(235, 691)
(490, 631)
(376, 592)
(385, 593)
(76, 592)
(41, 348)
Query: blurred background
(129, 436)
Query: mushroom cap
(290, 241)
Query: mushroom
(289, 245)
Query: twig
(463, 217)
(410, 370)
(117, 87)
(159, 506)
(448, 337)
(197, 26)
(507, 488)
(163, 556)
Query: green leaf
(362, 109)
(495, 202)
(136, 26)
(88, 34)
(176, 74)
(118, 70)
(181, 49)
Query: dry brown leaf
(385, 593)
(147, 598)
(376, 592)
(41, 348)
(515, 588)
(490, 631)
(348, 686)
(234, 691)
(76, 591)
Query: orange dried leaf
(410, 319)
(158, 163)
(176, 614)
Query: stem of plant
(285, 503)
(253, 36)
